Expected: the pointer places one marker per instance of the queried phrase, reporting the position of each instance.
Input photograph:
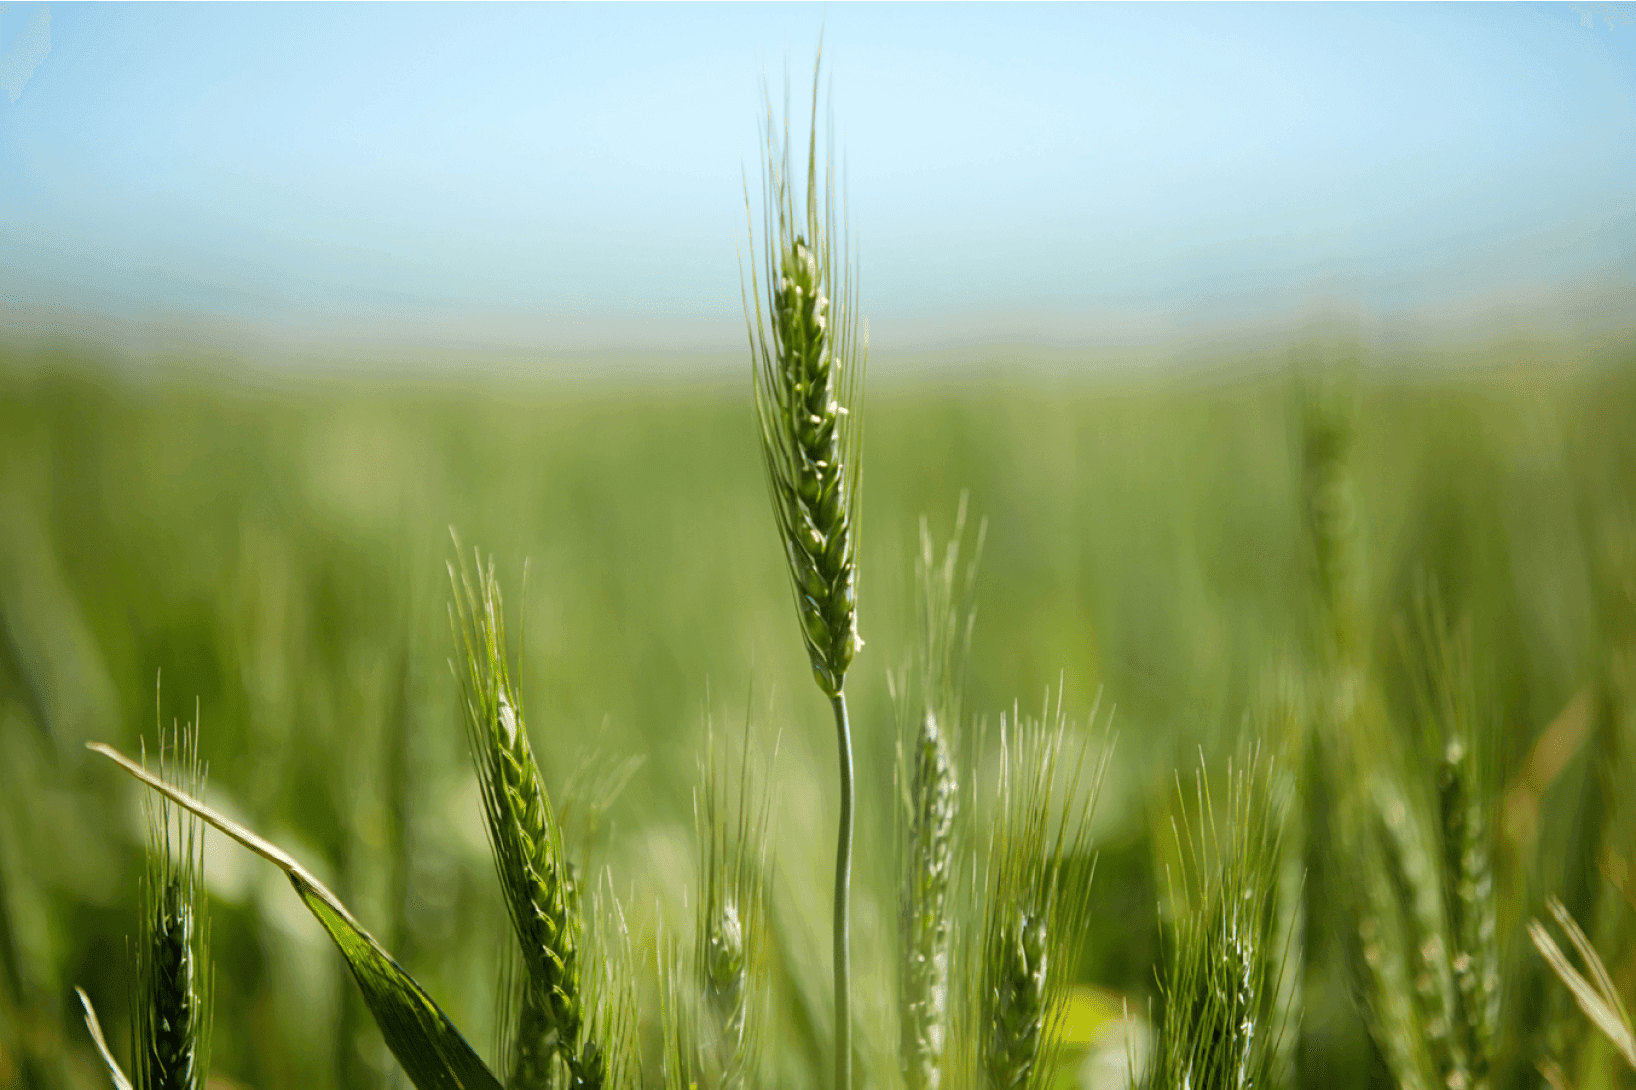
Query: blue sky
(546, 172)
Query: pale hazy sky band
(514, 166)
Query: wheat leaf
(1595, 1006)
(91, 1023)
(427, 1044)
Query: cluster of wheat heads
(1410, 796)
(1427, 940)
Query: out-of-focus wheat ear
(1449, 708)
(1413, 872)
(1033, 917)
(171, 1008)
(1470, 896)
(946, 606)
(606, 1053)
(676, 1019)
(1287, 952)
(924, 918)
(929, 730)
(732, 818)
(536, 877)
(1329, 509)
(1220, 1025)
(1385, 954)
(1019, 1007)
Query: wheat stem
(807, 364)
(842, 940)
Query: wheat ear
(924, 907)
(541, 894)
(1329, 508)
(732, 822)
(930, 720)
(1469, 893)
(1220, 1021)
(1412, 871)
(171, 1008)
(1033, 919)
(808, 366)
(1469, 896)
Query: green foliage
(281, 546)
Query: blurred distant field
(271, 552)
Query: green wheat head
(930, 723)
(171, 1007)
(809, 361)
(1427, 903)
(1033, 920)
(1449, 707)
(540, 888)
(1224, 962)
(1329, 507)
(730, 928)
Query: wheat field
(1254, 590)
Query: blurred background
(288, 291)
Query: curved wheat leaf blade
(92, 1024)
(431, 1050)
(1602, 1008)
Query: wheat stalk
(808, 366)
(538, 882)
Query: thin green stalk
(842, 917)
